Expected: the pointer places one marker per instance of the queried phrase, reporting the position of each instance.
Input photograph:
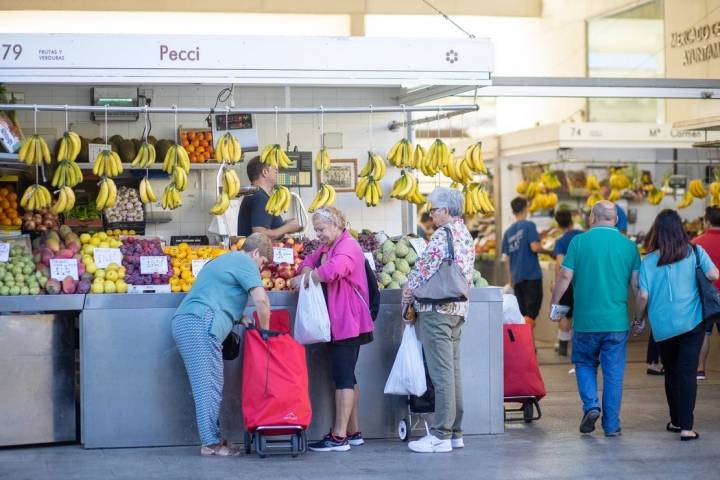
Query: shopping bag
(407, 376)
(511, 310)
(520, 368)
(312, 322)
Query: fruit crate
(198, 142)
(139, 227)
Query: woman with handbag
(671, 298)
(439, 286)
(339, 263)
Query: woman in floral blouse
(438, 327)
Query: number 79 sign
(11, 50)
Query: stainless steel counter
(41, 303)
(135, 392)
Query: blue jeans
(609, 350)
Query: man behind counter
(252, 217)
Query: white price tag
(418, 244)
(64, 267)
(198, 265)
(155, 264)
(95, 148)
(4, 252)
(370, 259)
(283, 255)
(105, 256)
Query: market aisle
(550, 448)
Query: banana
(231, 183)
(322, 160)
(228, 149)
(61, 204)
(279, 201)
(221, 205)
(320, 199)
(374, 167)
(34, 151)
(655, 195)
(593, 199)
(619, 181)
(592, 184)
(361, 187)
(715, 189)
(171, 198)
(550, 180)
(401, 155)
(615, 195)
(474, 158)
(686, 201)
(418, 156)
(275, 156)
(35, 197)
(180, 179)
(697, 189)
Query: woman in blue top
(668, 289)
(564, 220)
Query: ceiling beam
(513, 8)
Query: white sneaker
(431, 444)
(457, 443)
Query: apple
(265, 273)
(290, 241)
(267, 283)
(298, 247)
(280, 283)
(284, 271)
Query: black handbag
(709, 297)
(231, 346)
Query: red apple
(298, 247)
(265, 273)
(280, 283)
(290, 241)
(267, 283)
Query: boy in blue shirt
(521, 244)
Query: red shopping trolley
(523, 381)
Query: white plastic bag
(407, 376)
(312, 322)
(511, 310)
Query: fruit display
(374, 168)
(35, 197)
(474, 158)
(396, 260)
(401, 154)
(132, 249)
(107, 194)
(592, 184)
(198, 145)
(419, 155)
(407, 188)
(128, 207)
(458, 171)
(9, 216)
(324, 197)
(65, 201)
(477, 200)
(107, 280)
(274, 156)
(58, 244)
(437, 157)
(322, 160)
(176, 156)
(181, 257)
(275, 276)
(686, 201)
(171, 198)
(85, 212)
(368, 187)
(145, 190)
(228, 150)
(231, 182)
(146, 156)
(107, 164)
(697, 189)
(40, 220)
(18, 276)
(34, 151)
(68, 173)
(221, 205)
(279, 201)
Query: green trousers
(440, 338)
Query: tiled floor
(550, 448)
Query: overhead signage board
(83, 58)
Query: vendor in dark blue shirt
(252, 217)
(521, 244)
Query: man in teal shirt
(203, 320)
(600, 264)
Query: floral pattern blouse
(429, 262)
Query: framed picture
(342, 175)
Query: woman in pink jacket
(339, 264)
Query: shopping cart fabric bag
(521, 371)
(275, 381)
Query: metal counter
(135, 392)
(37, 368)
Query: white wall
(193, 216)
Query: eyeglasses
(432, 210)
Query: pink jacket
(344, 274)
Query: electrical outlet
(146, 92)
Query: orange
(190, 135)
(4, 192)
(6, 222)
(208, 136)
(193, 158)
(13, 203)
(185, 143)
(17, 221)
(196, 143)
(2, 216)
(12, 196)
(199, 150)
(4, 204)
(190, 148)
(12, 214)
(186, 275)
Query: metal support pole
(409, 211)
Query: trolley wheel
(303, 441)
(528, 412)
(260, 442)
(404, 430)
(247, 441)
(295, 445)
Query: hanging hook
(106, 125)
(67, 123)
(146, 132)
(438, 121)
(276, 123)
(322, 126)
(35, 112)
(370, 133)
(177, 133)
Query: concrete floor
(549, 448)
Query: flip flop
(672, 428)
(687, 439)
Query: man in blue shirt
(252, 217)
(521, 243)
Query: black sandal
(672, 428)
(687, 439)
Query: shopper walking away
(439, 327)
(652, 358)
(565, 222)
(339, 264)
(252, 217)
(600, 264)
(710, 241)
(520, 244)
(669, 292)
(203, 320)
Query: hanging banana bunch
(401, 154)
(686, 200)
(171, 198)
(322, 160)
(593, 199)
(108, 164)
(147, 195)
(180, 179)
(34, 151)
(477, 200)
(436, 158)
(231, 183)
(418, 156)
(458, 171)
(324, 197)
(715, 191)
(474, 158)
(697, 189)
(35, 197)
(619, 180)
(279, 201)
(145, 156)
(228, 149)
(592, 184)
(533, 189)
(107, 194)
(374, 167)
(176, 156)
(68, 173)
(368, 189)
(65, 201)
(275, 156)
(654, 195)
(550, 180)
(615, 195)
(403, 186)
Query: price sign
(64, 267)
(105, 256)
(154, 264)
(283, 255)
(4, 252)
(370, 259)
(198, 265)
(418, 244)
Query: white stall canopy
(123, 59)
